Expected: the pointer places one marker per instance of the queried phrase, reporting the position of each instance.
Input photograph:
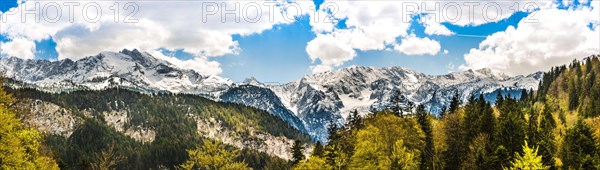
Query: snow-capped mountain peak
(131, 69)
(308, 103)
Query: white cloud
(19, 47)
(171, 25)
(445, 51)
(376, 25)
(371, 25)
(412, 45)
(331, 52)
(433, 27)
(559, 37)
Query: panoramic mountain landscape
(300, 85)
(308, 104)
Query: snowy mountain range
(307, 104)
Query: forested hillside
(556, 127)
(124, 129)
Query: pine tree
(547, 146)
(332, 151)
(355, 120)
(479, 155)
(532, 126)
(297, 154)
(530, 160)
(573, 96)
(499, 99)
(454, 103)
(443, 112)
(428, 152)
(396, 101)
(332, 131)
(510, 133)
(457, 147)
(579, 147)
(318, 151)
(487, 120)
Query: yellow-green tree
(388, 142)
(530, 160)
(370, 150)
(213, 156)
(19, 146)
(402, 158)
(313, 163)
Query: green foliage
(213, 156)
(457, 147)
(479, 135)
(545, 140)
(580, 147)
(529, 160)
(427, 153)
(313, 163)
(454, 103)
(479, 155)
(404, 159)
(318, 150)
(169, 115)
(297, 154)
(19, 146)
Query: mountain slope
(156, 128)
(307, 104)
(133, 69)
(319, 98)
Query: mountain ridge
(308, 103)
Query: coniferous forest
(555, 127)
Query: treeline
(540, 130)
(578, 83)
(95, 144)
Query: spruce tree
(573, 96)
(579, 150)
(355, 120)
(428, 152)
(457, 147)
(297, 154)
(318, 151)
(510, 133)
(547, 146)
(443, 112)
(454, 103)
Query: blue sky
(279, 54)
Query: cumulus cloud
(413, 45)
(18, 47)
(371, 25)
(196, 27)
(376, 25)
(331, 52)
(557, 38)
(433, 27)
